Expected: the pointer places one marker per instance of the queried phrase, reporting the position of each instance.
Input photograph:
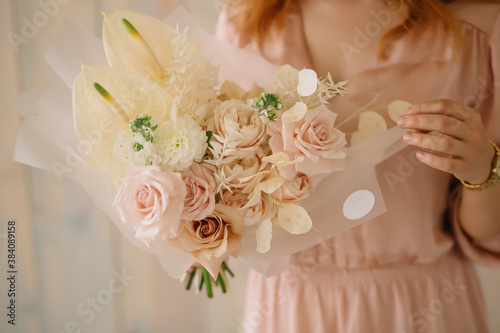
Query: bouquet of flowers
(194, 166)
(194, 171)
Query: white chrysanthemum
(179, 144)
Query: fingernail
(407, 137)
(420, 155)
(401, 121)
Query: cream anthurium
(144, 45)
(126, 51)
(99, 120)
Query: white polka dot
(358, 204)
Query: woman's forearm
(479, 212)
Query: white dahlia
(180, 143)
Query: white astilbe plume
(190, 77)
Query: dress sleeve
(483, 251)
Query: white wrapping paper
(46, 140)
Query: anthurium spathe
(147, 46)
(104, 100)
(142, 46)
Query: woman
(410, 269)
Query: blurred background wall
(68, 252)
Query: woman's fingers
(434, 122)
(441, 106)
(443, 163)
(438, 143)
(452, 138)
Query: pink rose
(315, 138)
(293, 191)
(212, 239)
(151, 201)
(200, 199)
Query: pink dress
(410, 270)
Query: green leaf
(209, 137)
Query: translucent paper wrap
(46, 140)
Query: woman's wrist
(493, 175)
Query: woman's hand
(452, 138)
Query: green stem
(202, 280)
(208, 282)
(224, 267)
(191, 277)
(220, 280)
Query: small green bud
(267, 103)
(138, 146)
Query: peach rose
(252, 215)
(315, 138)
(236, 121)
(293, 191)
(241, 170)
(200, 199)
(212, 239)
(151, 201)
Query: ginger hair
(257, 16)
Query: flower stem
(208, 282)
(225, 268)
(191, 277)
(220, 281)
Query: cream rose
(252, 215)
(315, 138)
(241, 170)
(200, 199)
(212, 239)
(151, 201)
(236, 121)
(293, 191)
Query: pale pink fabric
(408, 270)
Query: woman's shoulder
(227, 26)
(483, 15)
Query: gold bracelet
(494, 175)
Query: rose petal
(264, 235)
(295, 113)
(230, 89)
(397, 108)
(308, 82)
(294, 219)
